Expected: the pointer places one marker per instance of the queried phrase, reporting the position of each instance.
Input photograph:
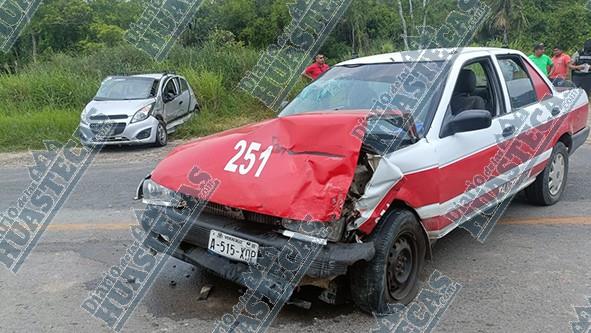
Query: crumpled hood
(307, 174)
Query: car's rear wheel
(161, 135)
(550, 184)
(392, 275)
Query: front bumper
(123, 132)
(331, 260)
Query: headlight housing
(142, 114)
(84, 115)
(332, 231)
(158, 195)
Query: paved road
(525, 278)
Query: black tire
(161, 135)
(374, 284)
(543, 192)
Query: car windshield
(371, 88)
(127, 88)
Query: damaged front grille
(115, 129)
(242, 215)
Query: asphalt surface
(525, 278)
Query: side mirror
(563, 85)
(468, 121)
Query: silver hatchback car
(139, 109)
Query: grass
(45, 100)
(28, 130)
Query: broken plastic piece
(204, 293)
(300, 303)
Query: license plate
(233, 247)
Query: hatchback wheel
(161, 135)
(392, 275)
(550, 184)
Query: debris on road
(205, 291)
(300, 303)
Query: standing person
(542, 61)
(562, 65)
(317, 68)
(582, 64)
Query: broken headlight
(158, 195)
(143, 113)
(332, 231)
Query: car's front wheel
(392, 275)
(161, 135)
(550, 184)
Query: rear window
(184, 85)
(542, 89)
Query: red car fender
(402, 194)
(368, 227)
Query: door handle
(181, 102)
(556, 111)
(508, 131)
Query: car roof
(425, 55)
(152, 76)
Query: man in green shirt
(541, 60)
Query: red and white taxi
(386, 154)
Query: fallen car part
(204, 292)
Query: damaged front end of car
(342, 186)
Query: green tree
(116, 12)
(507, 14)
(60, 24)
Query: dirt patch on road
(108, 155)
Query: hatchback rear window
(184, 85)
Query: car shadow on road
(124, 149)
